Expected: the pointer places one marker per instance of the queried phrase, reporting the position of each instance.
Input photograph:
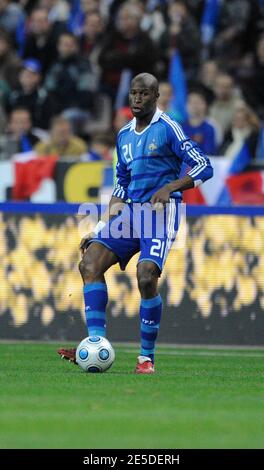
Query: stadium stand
(75, 59)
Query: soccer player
(151, 149)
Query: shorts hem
(150, 259)
(104, 244)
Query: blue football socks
(150, 314)
(95, 299)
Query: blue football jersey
(149, 159)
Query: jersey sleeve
(122, 176)
(190, 153)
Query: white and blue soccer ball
(95, 354)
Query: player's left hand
(160, 198)
(85, 242)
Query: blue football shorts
(140, 228)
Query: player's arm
(115, 205)
(189, 152)
(162, 195)
(119, 195)
(117, 201)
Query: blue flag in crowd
(260, 146)
(76, 18)
(239, 163)
(25, 144)
(209, 20)
(178, 82)
(123, 89)
(21, 35)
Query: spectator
(31, 96)
(91, 40)
(90, 6)
(244, 129)
(58, 10)
(20, 136)
(152, 20)
(100, 148)
(122, 117)
(28, 6)
(198, 126)
(182, 34)
(101, 117)
(78, 15)
(253, 78)
(165, 99)
(222, 108)
(196, 8)
(207, 76)
(238, 28)
(126, 47)
(10, 64)
(62, 142)
(70, 80)
(41, 39)
(93, 29)
(10, 16)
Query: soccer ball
(95, 354)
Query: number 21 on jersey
(127, 149)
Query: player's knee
(145, 284)
(147, 281)
(87, 268)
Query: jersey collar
(155, 118)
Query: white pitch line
(200, 353)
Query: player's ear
(157, 95)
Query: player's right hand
(85, 242)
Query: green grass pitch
(199, 398)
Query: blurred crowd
(65, 68)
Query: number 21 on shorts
(157, 248)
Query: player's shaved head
(143, 96)
(146, 80)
